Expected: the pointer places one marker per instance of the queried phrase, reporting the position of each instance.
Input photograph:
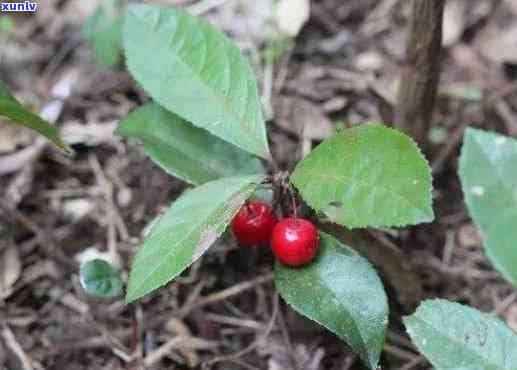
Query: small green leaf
(103, 30)
(186, 231)
(100, 279)
(184, 151)
(196, 72)
(367, 176)
(457, 337)
(12, 109)
(489, 181)
(342, 292)
(7, 25)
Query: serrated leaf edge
(246, 192)
(264, 152)
(391, 225)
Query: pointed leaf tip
(341, 291)
(195, 65)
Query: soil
(223, 312)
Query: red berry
(254, 223)
(295, 241)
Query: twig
(502, 93)
(111, 211)
(267, 88)
(254, 344)
(288, 342)
(349, 361)
(67, 48)
(506, 114)
(501, 306)
(243, 364)
(45, 242)
(194, 295)
(10, 163)
(178, 327)
(228, 320)
(233, 291)
(183, 342)
(16, 348)
(205, 6)
(136, 335)
(282, 71)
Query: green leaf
(489, 181)
(457, 337)
(103, 30)
(7, 25)
(196, 72)
(186, 231)
(342, 292)
(100, 279)
(12, 109)
(369, 175)
(184, 151)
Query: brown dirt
(224, 309)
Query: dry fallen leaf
(468, 236)
(20, 185)
(91, 134)
(78, 208)
(291, 15)
(13, 162)
(15, 349)
(247, 21)
(498, 43)
(10, 270)
(178, 327)
(369, 61)
(78, 11)
(453, 22)
(281, 359)
(301, 117)
(13, 136)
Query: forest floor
(223, 312)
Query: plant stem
(247, 205)
(293, 200)
(421, 71)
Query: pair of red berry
(294, 241)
